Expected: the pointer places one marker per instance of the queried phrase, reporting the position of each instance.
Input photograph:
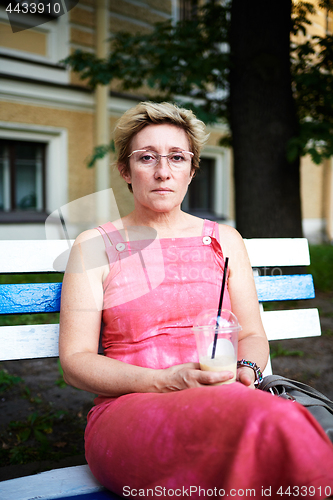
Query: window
(200, 197)
(22, 181)
(208, 193)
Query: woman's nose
(162, 169)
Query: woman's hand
(187, 375)
(245, 375)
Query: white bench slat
(31, 256)
(57, 483)
(27, 256)
(290, 324)
(41, 341)
(272, 252)
(29, 342)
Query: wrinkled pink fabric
(226, 437)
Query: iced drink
(219, 364)
(217, 341)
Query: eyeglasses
(177, 159)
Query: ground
(53, 437)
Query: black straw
(220, 304)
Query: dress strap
(110, 234)
(209, 228)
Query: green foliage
(191, 59)
(31, 278)
(321, 267)
(312, 64)
(7, 381)
(37, 425)
(29, 319)
(278, 350)
(99, 152)
(33, 439)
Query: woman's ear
(192, 174)
(126, 175)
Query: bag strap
(272, 381)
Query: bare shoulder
(87, 235)
(88, 253)
(230, 238)
(233, 247)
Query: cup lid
(208, 317)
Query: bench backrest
(36, 256)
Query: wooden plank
(33, 256)
(41, 341)
(290, 287)
(55, 484)
(274, 252)
(30, 298)
(28, 256)
(45, 297)
(291, 324)
(29, 341)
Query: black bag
(314, 401)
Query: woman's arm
(253, 343)
(80, 324)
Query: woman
(159, 421)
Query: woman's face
(160, 188)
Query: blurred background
(253, 74)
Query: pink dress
(209, 441)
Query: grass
(45, 434)
(278, 350)
(321, 267)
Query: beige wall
(29, 40)
(312, 189)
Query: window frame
(220, 184)
(56, 168)
(33, 213)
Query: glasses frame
(158, 156)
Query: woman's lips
(162, 190)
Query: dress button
(206, 240)
(120, 247)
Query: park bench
(41, 341)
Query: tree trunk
(263, 119)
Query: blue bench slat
(45, 297)
(293, 287)
(30, 298)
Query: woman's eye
(177, 158)
(147, 158)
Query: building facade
(50, 122)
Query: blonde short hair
(151, 113)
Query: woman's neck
(167, 225)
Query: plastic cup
(222, 333)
